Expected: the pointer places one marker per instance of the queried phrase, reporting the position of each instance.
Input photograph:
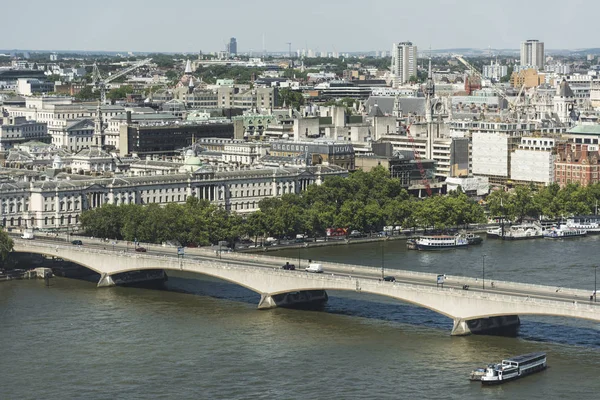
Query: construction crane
(501, 92)
(102, 84)
(418, 160)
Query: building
(529, 77)
(404, 62)
(405, 168)
(15, 130)
(167, 138)
(232, 48)
(532, 53)
(491, 154)
(495, 71)
(533, 161)
(316, 153)
(29, 86)
(577, 163)
(58, 204)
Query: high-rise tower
(532, 53)
(404, 62)
(233, 46)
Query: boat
(476, 374)
(514, 368)
(439, 242)
(494, 233)
(563, 232)
(524, 231)
(589, 223)
(517, 232)
(473, 239)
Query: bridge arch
(67, 258)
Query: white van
(314, 267)
(29, 235)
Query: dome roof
(193, 161)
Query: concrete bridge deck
(262, 274)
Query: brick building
(576, 163)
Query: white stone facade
(58, 204)
(533, 161)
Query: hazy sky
(326, 25)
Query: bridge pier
(304, 299)
(460, 328)
(505, 325)
(266, 302)
(106, 280)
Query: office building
(404, 62)
(532, 54)
(232, 46)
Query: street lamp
(484, 272)
(595, 287)
(382, 259)
(299, 257)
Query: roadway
(374, 274)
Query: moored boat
(517, 232)
(589, 223)
(439, 242)
(473, 239)
(514, 368)
(563, 232)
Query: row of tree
(549, 202)
(365, 201)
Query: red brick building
(576, 163)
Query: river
(202, 338)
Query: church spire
(188, 67)
(98, 128)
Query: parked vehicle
(356, 234)
(140, 249)
(28, 235)
(288, 266)
(389, 278)
(77, 242)
(336, 231)
(314, 267)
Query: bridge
(263, 275)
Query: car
(389, 278)
(288, 266)
(140, 249)
(77, 242)
(356, 234)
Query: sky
(325, 25)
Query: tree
(119, 93)
(291, 98)
(88, 93)
(6, 246)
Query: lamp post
(484, 272)
(382, 259)
(299, 257)
(595, 287)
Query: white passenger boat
(589, 223)
(514, 368)
(563, 232)
(517, 232)
(440, 242)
